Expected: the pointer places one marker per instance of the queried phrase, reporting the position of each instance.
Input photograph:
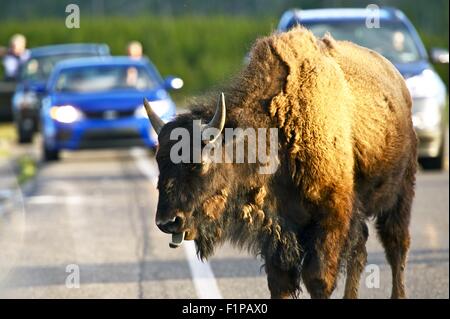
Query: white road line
(50, 199)
(432, 234)
(144, 165)
(202, 275)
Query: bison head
(192, 193)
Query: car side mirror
(173, 83)
(439, 55)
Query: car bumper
(89, 134)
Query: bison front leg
(281, 282)
(326, 240)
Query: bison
(346, 153)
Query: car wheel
(50, 155)
(24, 136)
(434, 163)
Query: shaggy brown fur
(347, 152)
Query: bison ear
(204, 169)
(205, 164)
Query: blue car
(33, 77)
(98, 103)
(395, 38)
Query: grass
(7, 137)
(26, 165)
(203, 51)
(27, 169)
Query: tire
(50, 155)
(24, 136)
(433, 163)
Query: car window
(105, 78)
(39, 68)
(392, 40)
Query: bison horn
(156, 121)
(218, 121)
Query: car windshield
(39, 68)
(105, 78)
(392, 39)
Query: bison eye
(196, 167)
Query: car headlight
(425, 85)
(160, 107)
(65, 114)
(427, 114)
(426, 120)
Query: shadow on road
(157, 270)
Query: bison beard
(347, 151)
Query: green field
(203, 50)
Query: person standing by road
(134, 50)
(16, 54)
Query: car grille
(110, 114)
(111, 138)
(99, 135)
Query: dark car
(34, 73)
(98, 103)
(397, 40)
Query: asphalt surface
(92, 214)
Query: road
(92, 214)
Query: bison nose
(171, 226)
